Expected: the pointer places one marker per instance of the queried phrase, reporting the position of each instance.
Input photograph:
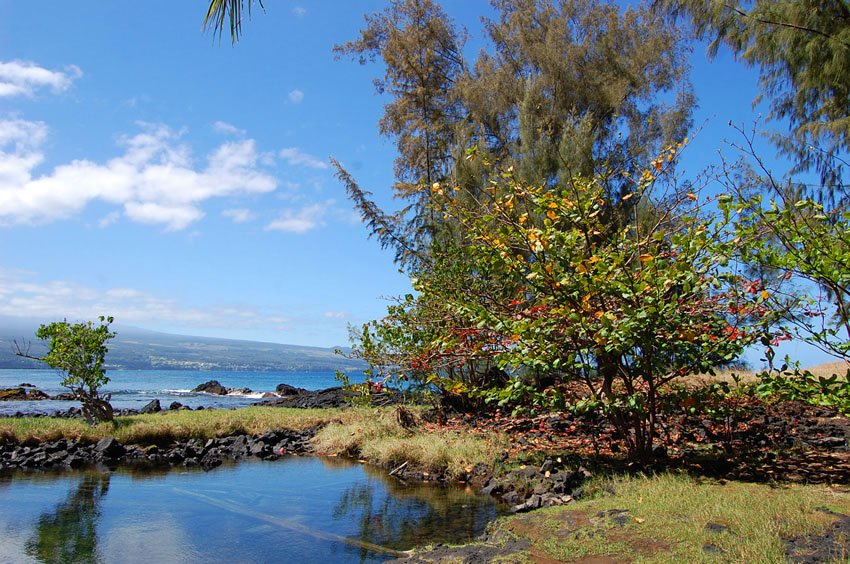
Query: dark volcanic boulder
(211, 387)
(287, 390)
(109, 448)
(152, 407)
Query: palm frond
(222, 11)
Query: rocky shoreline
(64, 454)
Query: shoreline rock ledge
(26, 392)
(215, 388)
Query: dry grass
(174, 425)
(829, 368)
(381, 440)
(748, 377)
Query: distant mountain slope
(139, 349)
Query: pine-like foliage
(802, 49)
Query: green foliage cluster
(827, 391)
(799, 239)
(79, 351)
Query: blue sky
(182, 185)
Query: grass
(173, 425)
(382, 440)
(667, 516)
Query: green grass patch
(676, 518)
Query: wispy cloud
(301, 221)
(57, 299)
(296, 157)
(299, 11)
(109, 219)
(238, 215)
(336, 314)
(296, 96)
(154, 181)
(24, 78)
(228, 129)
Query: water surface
(300, 509)
(135, 388)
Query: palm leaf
(222, 11)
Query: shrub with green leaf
(79, 350)
(539, 285)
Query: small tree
(78, 350)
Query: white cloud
(228, 129)
(24, 135)
(174, 217)
(58, 299)
(154, 181)
(24, 78)
(296, 157)
(301, 221)
(296, 96)
(299, 11)
(238, 215)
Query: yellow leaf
(764, 294)
(692, 196)
(628, 197)
(647, 258)
(594, 259)
(551, 215)
(639, 520)
(581, 268)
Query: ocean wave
(252, 395)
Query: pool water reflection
(305, 509)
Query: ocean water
(297, 509)
(135, 388)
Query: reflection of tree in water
(391, 514)
(68, 533)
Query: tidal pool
(301, 509)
